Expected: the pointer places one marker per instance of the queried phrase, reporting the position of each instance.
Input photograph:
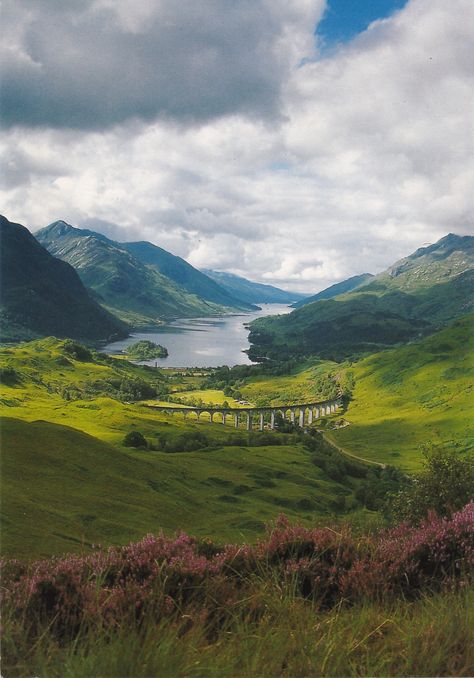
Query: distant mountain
(339, 288)
(412, 298)
(185, 275)
(41, 295)
(437, 263)
(252, 292)
(136, 291)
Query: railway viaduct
(301, 414)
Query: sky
(294, 143)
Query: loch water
(201, 342)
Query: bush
(169, 576)
(445, 486)
(134, 439)
(77, 351)
(9, 376)
(184, 442)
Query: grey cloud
(92, 65)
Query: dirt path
(330, 439)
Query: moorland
(376, 540)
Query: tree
(445, 485)
(134, 439)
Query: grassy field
(413, 396)
(209, 396)
(68, 481)
(66, 472)
(63, 490)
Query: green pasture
(413, 396)
(64, 490)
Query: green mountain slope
(43, 295)
(334, 290)
(252, 292)
(414, 395)
(185, 275)
(121, 282)
(416, 296)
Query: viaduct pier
(261, 417)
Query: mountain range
(139, 282)
(414, 297)
(252, 292)
(42, 295)
(85, 285)
(335, 290)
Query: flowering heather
(167, 576)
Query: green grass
(208, 396)
(303, 385)
(412, 396)
(64, 490)
(68, 481)
(429, 637)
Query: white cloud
(371, 157)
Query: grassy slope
(76, 490)
(66, 475)
(300, 387)
(413, 395)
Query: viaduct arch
(301, 414)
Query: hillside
(412, 396)
(252, 292)
(42, 295)
(334, 290)
(135, 291)
(66, 414)
(183, 274)
(412, 298)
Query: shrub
(445, 485)
(170, 576)
(134, 439)
(9, 376)
(184, 442)
(77, 351)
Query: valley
(97, 451)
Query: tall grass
(302, 601)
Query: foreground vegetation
(301, 601)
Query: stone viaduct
(304, 413)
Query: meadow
(224, 584)
(68, 481)
(418, 395)
(68, 412)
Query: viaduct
(304, 413)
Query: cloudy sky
(295, 142)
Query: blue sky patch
(344, 19)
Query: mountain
(252, 292)
(134, 290)
(42, 295)
(185, 275)
(339, 288)
(412, 298)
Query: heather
(184, 588)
